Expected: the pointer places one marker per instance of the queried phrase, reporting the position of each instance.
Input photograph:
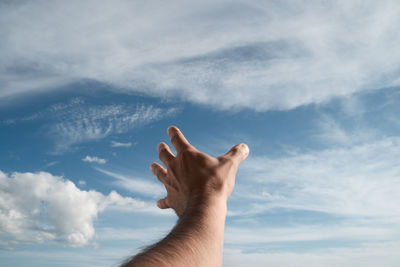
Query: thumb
(163, 203)
(238, 153)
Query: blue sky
(88, 89)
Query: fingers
(160, 172)
(238, 153)
(178, 140)
(164, 153)
(163, 203)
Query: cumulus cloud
(259, 54)
(119, 144)
(94, 159)
(40, 207)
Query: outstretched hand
(192, 174)
(198, 187)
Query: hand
(193, 174)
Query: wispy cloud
(50, 164)
(134, 184)
(332, 132)
(77, 122)
(119, 144)
(359, 180)
(357, 233)
(371, 255)
(54, 209)
(53, 111)
(97, 122)
(260, 55)
(94, 159)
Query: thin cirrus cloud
(240, 242)
(372, 255)
(260, 54)
(94, 159)
(77, 122)
(120, 144)
(54, 209)
(351, 189)
(355, 180)
(134, 184)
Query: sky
(88, 89)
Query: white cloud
(94, 159)
(330, 231)
(358, 180)
(259, 54)
(385, 254)
(75, 121)
(82, 123)
(135, 185)
(333, 132)
(40, 207)
(118, 144)
(142, 234)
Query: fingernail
(170, 129)
(245, 149)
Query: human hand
(193, 174)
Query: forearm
(196, 240)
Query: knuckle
(186, 153)
(227, 161)
(164, 155)
(158, 172)
(175, 137)
(236, 149)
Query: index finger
(178, 140)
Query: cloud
(136, 185)
(358, 233)
(356, 180)
(142, 234)
(40, 207)
(94, 159)
(78, 123)
(118, 144)
(381, 254)
(259, 55)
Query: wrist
(205, 203)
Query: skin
(198, 187)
